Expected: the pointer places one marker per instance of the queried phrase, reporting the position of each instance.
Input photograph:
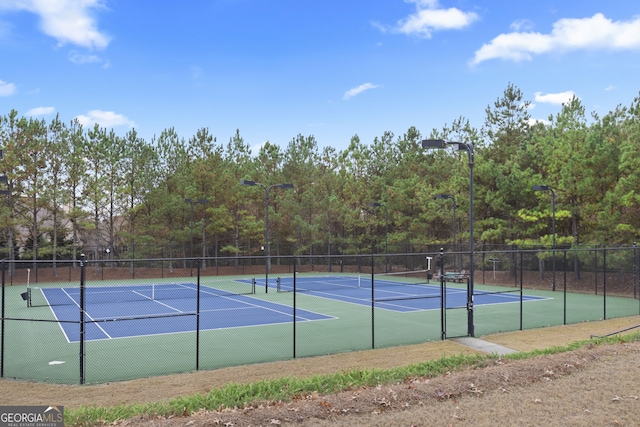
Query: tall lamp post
(4, 181)
(191, 202)
(204, 246)
(440, 144)
(386, 233)
(267, 189)
(553, 227)
(455, 244)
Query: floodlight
(433, 143)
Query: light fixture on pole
(553, 227)
(455, 206)
(386, 233)
(439, 144)
(267, 189)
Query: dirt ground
(596, 385)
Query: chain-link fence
(94, 321)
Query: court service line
(256, 305)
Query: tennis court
(160, 308)
(175, 321)
(403, 292)
(125, 311)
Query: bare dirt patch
(569, 389)
(598, 385)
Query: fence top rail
(432, 254)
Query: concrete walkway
(484, 346)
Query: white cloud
(429, 17)
(40, 111)
(596, 32)
(610, 88)
(79, 58)
(521, 24)
(105, 119)
(358, 90)
(68, 21)
(533, 122)
(255, 149)
(555, 98)
(7, 89)
(5, 29)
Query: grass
(285, 389)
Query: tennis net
(328, 282)
(49, 296)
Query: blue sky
(330, 68)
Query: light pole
(455, 244)
(386, 233)
(439, 144)
(190, 201)
(203, 202)
(4, 183)
(267, 189)
(553, 227)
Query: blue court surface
(161, 309)
(396, 295)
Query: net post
(28, 292)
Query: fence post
(604, 283)
(521, 284)
(443, 298)
(198, 315)
(295, 293)
(373, 321)
(564, 287)
(635, 278)
(82, 316)
(595, 268)
(2, 330)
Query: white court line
(86, 314)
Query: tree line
(72, 188)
